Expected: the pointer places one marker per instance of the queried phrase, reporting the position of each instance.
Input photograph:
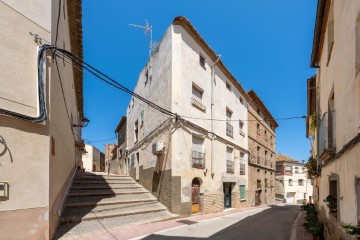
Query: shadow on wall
(253, 227)
(4, 149)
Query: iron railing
(327, 132)
(198, 159)
(229, 129)
(229, 166)
(198, 104)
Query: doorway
(195, 195)
(258, 198)
(227, 195)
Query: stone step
(90, 181)
(86, 229)
(106, 192)
(106, 186)
(99, 212)
(103, 177)
(91, 201)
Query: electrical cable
(41, 61)
(104, 140)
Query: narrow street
(273, 222)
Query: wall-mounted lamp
(84, 121)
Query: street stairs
(98, 202)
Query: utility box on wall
(158, 147)
(4, 189)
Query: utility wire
(119, 86)
(104, 140)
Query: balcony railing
(327, 132)
(229, 129)
(198, 104)
(229, 166)
(198, 159)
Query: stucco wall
(338, 74)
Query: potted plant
(331, 202)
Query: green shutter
(242, 192)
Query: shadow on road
(273, 223)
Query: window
(198, 154)
(229, 160)
(290, 182)
(242, 192)
(258, 184)
(265, 134)
(202, 60)
(330, 32)
(242, 164)
(288, 170)
(266, 160)
(278, 169)
(296, 170)
(121, 153)
(266, 182)
(357, 51)
(241, 100)
(258, 111)
(146, 76)
(132, 159)
(142, 118)
(229, 127)
(258, 128)
(196, 100)
(241, 126)
(258, 155)
(301, 182)
(228, 86)
(136, 131)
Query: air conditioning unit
(158, 147)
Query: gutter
(317, 33)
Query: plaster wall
(24, 158)
(338, 72)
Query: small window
(265, 133)
(241, 125)
(228, 86)
(296, 170)
(290, 182)
(146, 76)
(197, 93)
(301, 182)
(136, 131)
(202, 60)
(142, 118)
(258, 111)
(241, 100)
(242, 192)
(278, 169)
(288, 170)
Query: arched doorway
(195, 195)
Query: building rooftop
(283, 158)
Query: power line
(119, 86)
(104, 140)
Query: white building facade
(191, 163)
(92, 159)
(292, 184)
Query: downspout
(212, 113)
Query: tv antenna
(147, 28)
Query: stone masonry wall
(213, 202)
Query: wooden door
(195, 198)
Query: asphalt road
(274, 222)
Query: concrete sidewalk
(298, 231)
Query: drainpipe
(212, 113)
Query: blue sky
(265, 44)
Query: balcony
(229, 166)
(327, 136)
(198, 160)
(198, 104)
(229, 129)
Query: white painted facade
(174, 69)
(91, 159)
(293, 183)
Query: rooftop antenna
(146, 28)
